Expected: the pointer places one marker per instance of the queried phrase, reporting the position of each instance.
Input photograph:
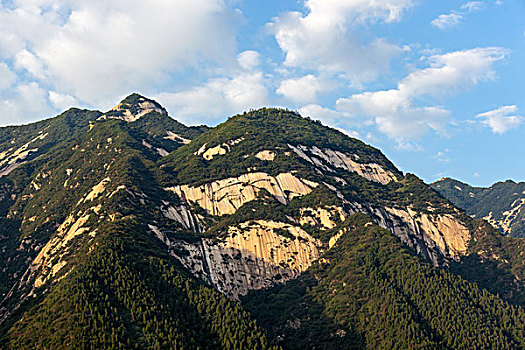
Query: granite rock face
(327, 159)
(226, 196)
(251, 256)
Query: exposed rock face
(182, 214)
(443, 232)
(252, 256)
(508, 218)
(439, 237)
(210, 152)
(326, 159)
(222, 149)
(266, 155)
(333, 240)
(162, 152)
(324, 217)
(226, 196)
(50, 257)
(177, 138)
(12, 159)
(131, 113)
(97, 190)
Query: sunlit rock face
(327, 159)
(133, 108)
(252, 255)
(226, 196)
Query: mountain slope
(100, 278)
(135, 231)
(502, 204)
(368, 287)
(125, 292)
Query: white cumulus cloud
(62, 101)
(7, 77)
(397, 112)
(30, 62)
(216, 99)
(249, 59)
(327, 116)
(325, 39)
(303, 89)
(98, 50)
(502, 119)
(24, 103)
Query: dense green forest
(119, 284)
(372, 292)
(126, 294)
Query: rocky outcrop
(222, 149)
(50, 258)
(183, 215)
(333, 240)
(133, 112)
(227, 195)
(213, 151)
(97, 190)
(177, 138)
(12, 159)
(438, 237)
(258, 254)
(266, 155)
(325, 217)
(509, 217)
(326, 159)
(252, 255)
(442, 233)
(53, 256)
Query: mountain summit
(270, 230)
(133, 107)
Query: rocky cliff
(254, 203)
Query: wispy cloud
(453, 19)
(447, 21)
(472, 6)
(442, 156)
(502, 119)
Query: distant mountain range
(126, 229)
(502, 204)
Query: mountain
(127, 229)
(502, 204)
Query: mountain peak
(133, 107)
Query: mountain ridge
(501, 204)
(211, 216)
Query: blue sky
(436, 85)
